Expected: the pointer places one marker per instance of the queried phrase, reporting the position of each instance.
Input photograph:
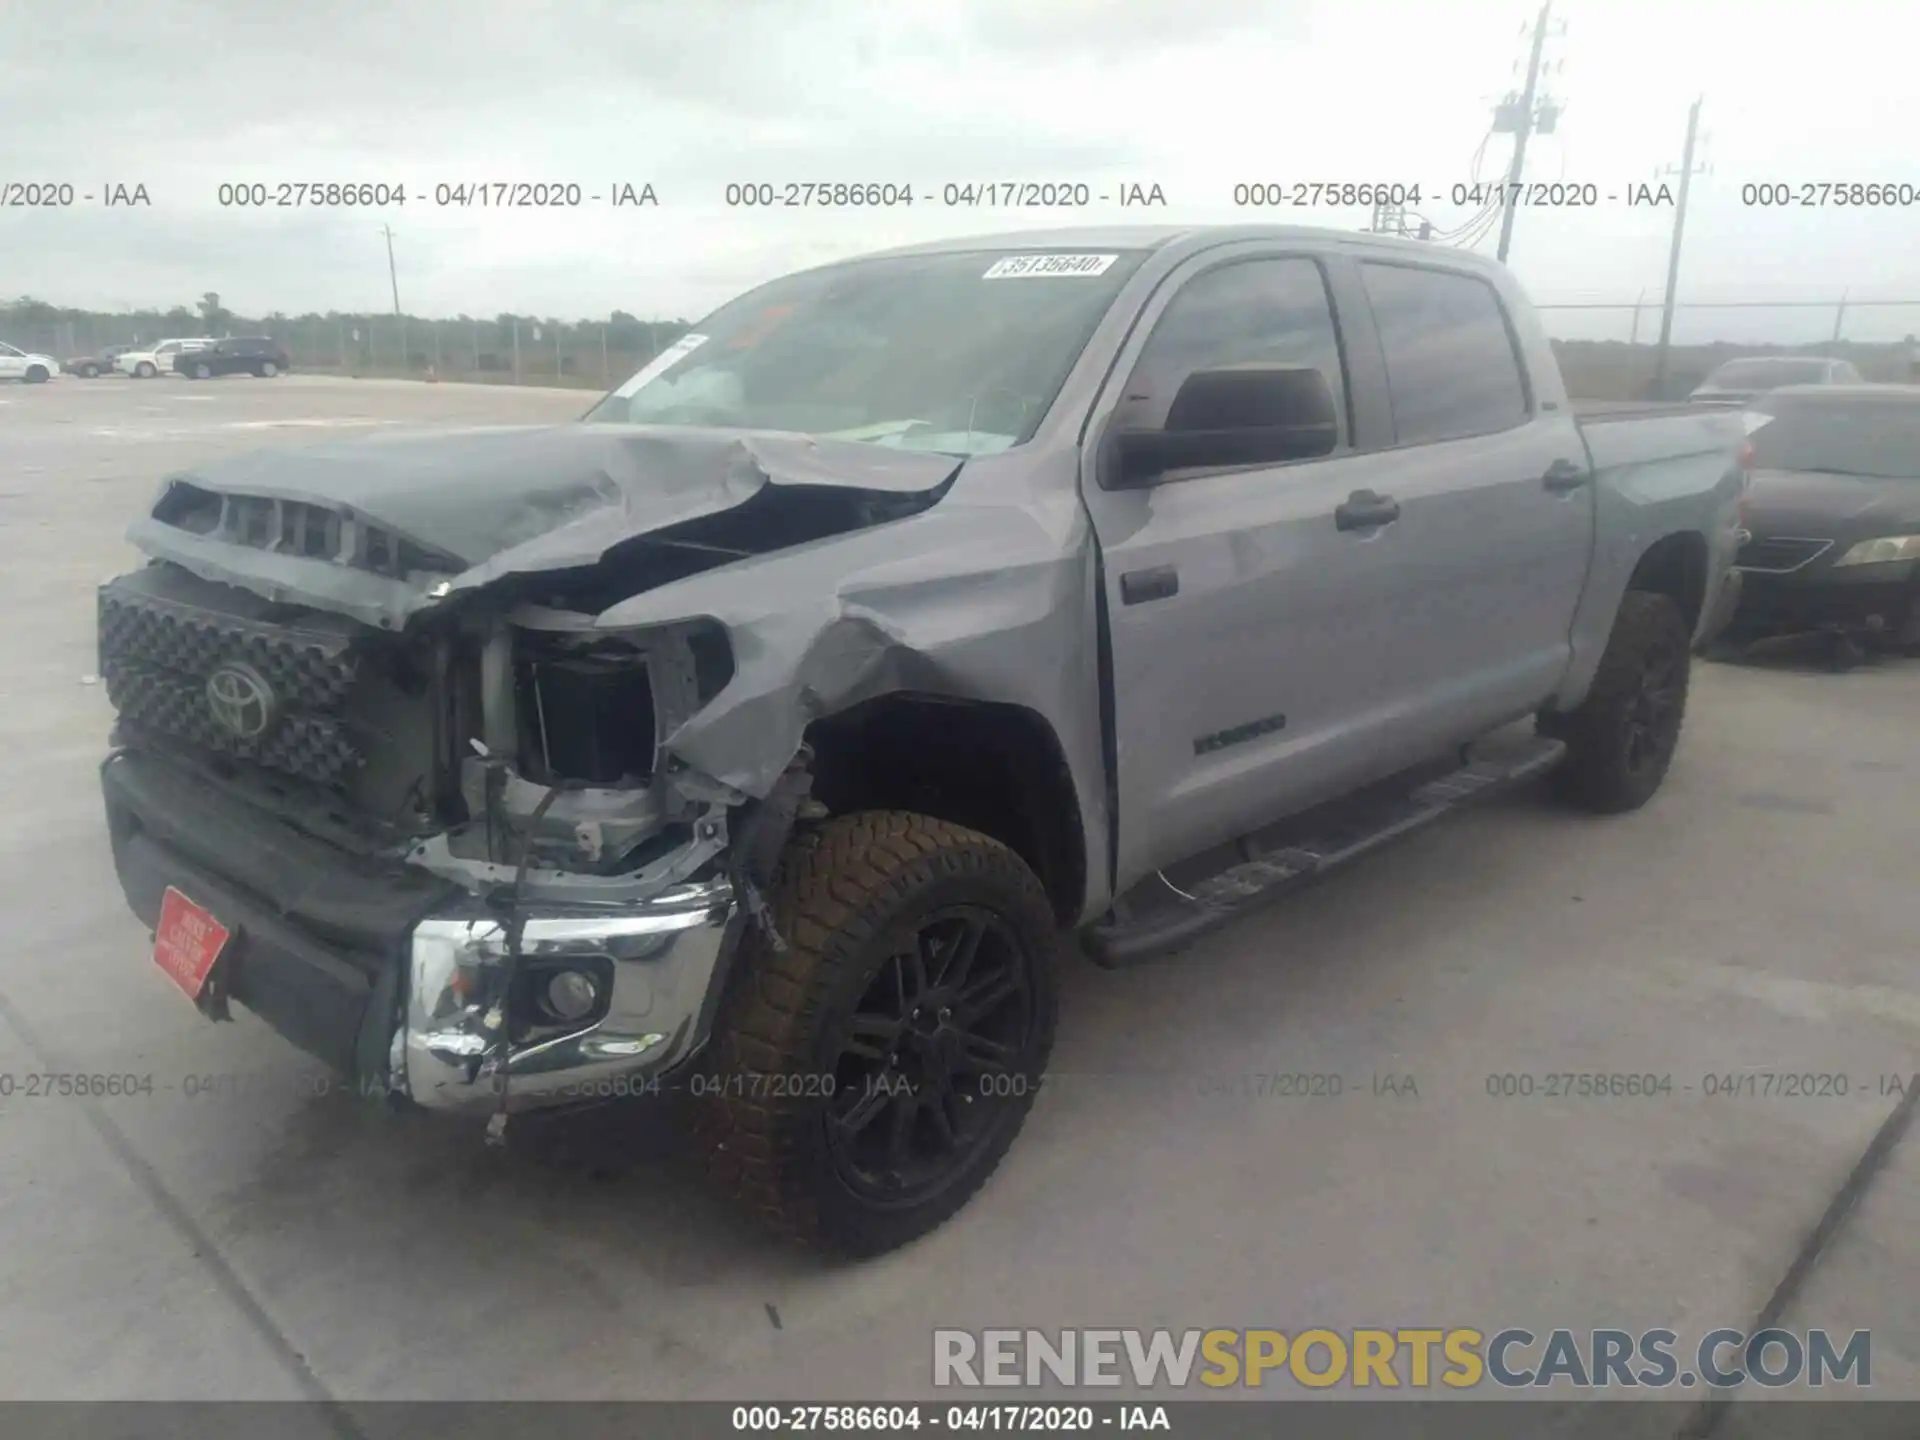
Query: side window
(1270, 311)
(1451, 366)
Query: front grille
(297, 527)
(1778, 554)
(164, 633)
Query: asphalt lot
(263, 1241)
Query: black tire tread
(1591, 776)
(835, 884)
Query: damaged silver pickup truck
(759, 736)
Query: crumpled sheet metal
(968, 601)
(510, 500)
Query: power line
(1523, 116)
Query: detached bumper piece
(1870, 604)
(403, 981)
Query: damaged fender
(978, 598)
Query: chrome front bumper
(659, 966)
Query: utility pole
(1389, 218)
(393, 277)
(1523, 117)
(1673, 254)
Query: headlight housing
(1883, 551)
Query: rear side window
(1251, 311)
(1452, 370)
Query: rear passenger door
(1495, 491)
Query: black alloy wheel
(1652, 727)
(941, 1041)
(865, 1078)
(1622, 738)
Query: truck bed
(1590, 412)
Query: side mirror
(1253, 414)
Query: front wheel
(89, 372)
(144, 371)
(36, 375)
(862, 1084)
(202, 371)
(268, 370)
(1621, 740)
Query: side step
(1115, 942)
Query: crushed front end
(453, 858)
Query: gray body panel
(1491, 597)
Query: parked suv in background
(246, 354)
(1738, 381)
(145, 364)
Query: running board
(1116, 943)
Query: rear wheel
(89, 372)
(267, 370)
(1622, 738)
(862, 1085)
(202, 371)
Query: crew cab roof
(1184, 238)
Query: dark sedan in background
(100, 362)
(1834, 518)
(236, 355)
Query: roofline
(1187, 239)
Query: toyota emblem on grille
(242, 702)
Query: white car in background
(27, 368)
(145, 364)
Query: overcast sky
(1193, 95)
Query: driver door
(1255, 640)
(13, 363)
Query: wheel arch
(993, 767)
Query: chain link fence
(1613, 357)
(589, 355)
(1608, 350)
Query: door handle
(1158, 583)
(1564, 475)
(1365, 510)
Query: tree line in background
(536, 350)
(528, 349)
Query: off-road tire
(842, 892)
(1598, 773)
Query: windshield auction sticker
(1027, 267)
(661, 363)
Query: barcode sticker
(1026, 267)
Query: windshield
(958, 353)
(1766, 374)
(1879, 439)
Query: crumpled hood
(505, 500)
